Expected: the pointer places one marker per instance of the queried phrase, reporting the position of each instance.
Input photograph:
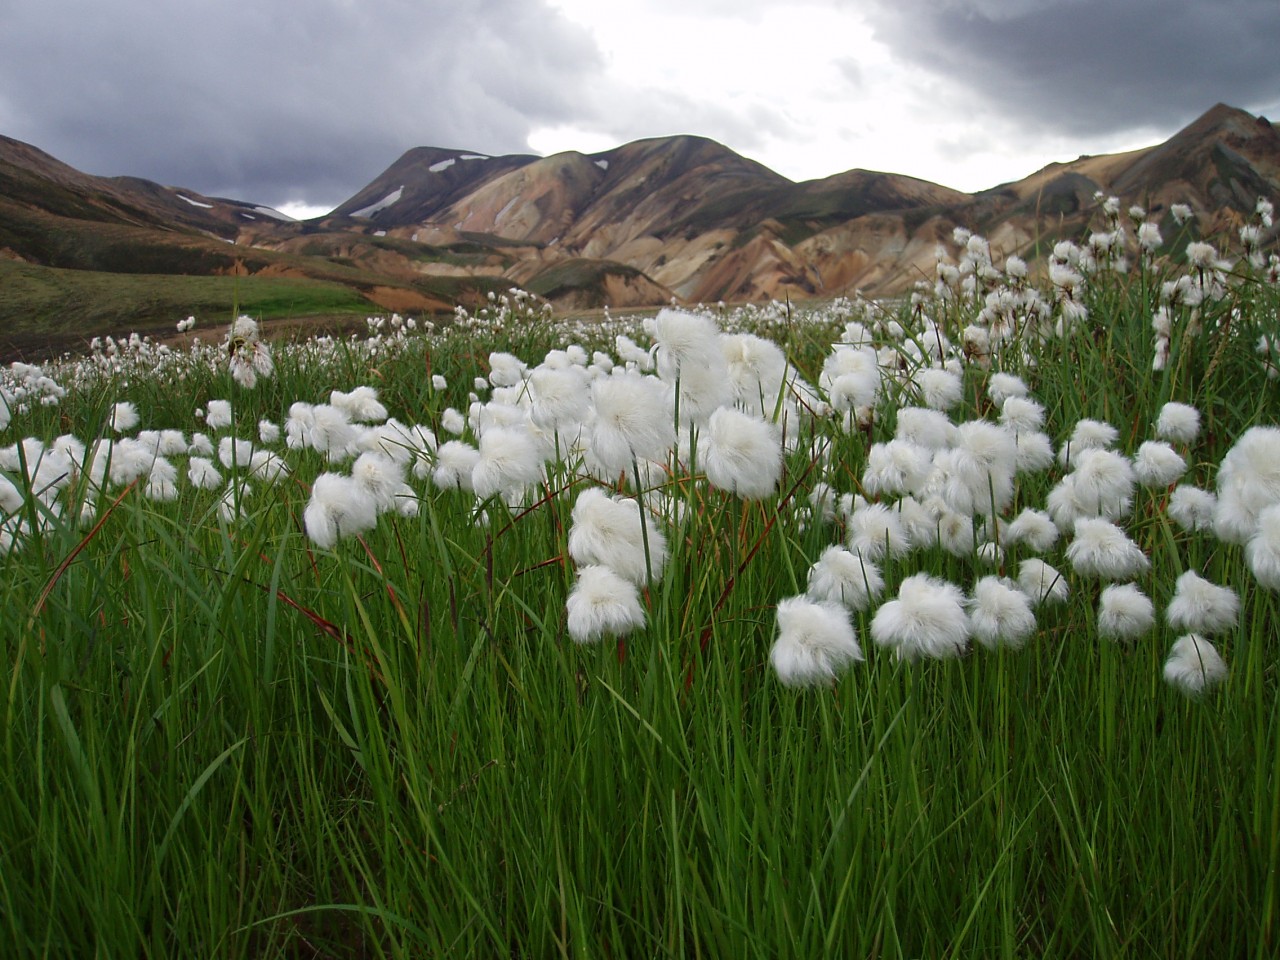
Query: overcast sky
(300, 104)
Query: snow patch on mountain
(382, 204)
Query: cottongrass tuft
(743, 454)
(339, 507)
(1200, 606)
(1158, 465)
(1262, 552)
(1178, 422)
(839, 576)
(1124, 612)
(1000, 614)
(602, 604)
(1191, 508)
(926, 620)
(1194, 665)
(1041, 582)
(607, 531)
(124, 417)
(815, 642)
(1248, 483)
(874, 531)
(1034, 528)
(1101, 549)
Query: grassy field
(227, 730)
(49, 308)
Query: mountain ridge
(681, 217)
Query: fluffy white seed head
(743, 454)
(1262, 552)
(602, 604)
(815, 642)
(339, 507)
(1194, 665)
(839, 576)
(1041, 582)
(1200, 606)
(1124, 612)
(1000, 614)
(1034, 528)
(1158, 465)
(926, 620)
(607, 531)
(1178, 422)
(1101, 549)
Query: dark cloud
(1092, 67)
(278, 101)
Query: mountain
(681, 217)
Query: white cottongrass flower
(941, 389)
(743, 454)
(1000, 614)
(633, 420)
(268, 432)
(267, 467)
(510, 461)
(339, 507)
(235, 453)
(954, 532)
(1020, 414)
(1262, 552)
(124, 417)
(602, 604)
(332, 432)
(451, 421)
(200, 446)
(926, 620)
(1178, 422)
(380, 477)
(361, 405)
(684, 341)
(1087, 435)
(1200, 606)
(1034, 528)
(927, 428)
(607, 531)
(203, 474)
(1101, 483)
(455, 462)
(1124, 612)
(505, 370)
(561, 399)
(1101, 549)
(757, 369)
(874, 531)
(438, 382)
(815, 642)
(1041, 582)
(839, 576)
(1158, 465)
(898, 466)
(1194, 665)
(1004, 386)
(217, 414)
(1192, 508)
(1248, 483)
(162, 480)
(978, 472)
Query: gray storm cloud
(276, 100)
(1092, 66)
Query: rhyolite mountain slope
(676, 217)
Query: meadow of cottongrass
(938, 629)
